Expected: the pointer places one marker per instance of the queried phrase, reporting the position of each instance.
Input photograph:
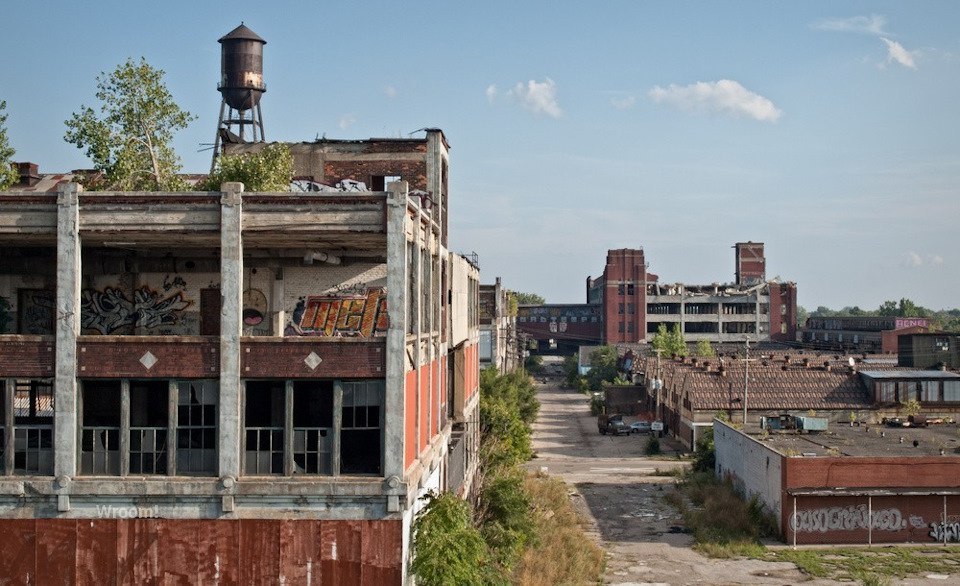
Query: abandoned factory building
(267, 382)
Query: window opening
(32, 427)
(360, 435)
(264, 420)
(197, 427)
(313, 427)
(149, 408)
(100, 435)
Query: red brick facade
(27, 356)
(624, 296)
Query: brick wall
(27, 356)
(413, 172)
(289, 357)
(125, 356)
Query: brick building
(860, 333)
(856, 484)
(498, 329)
(234, 386)
(635, 303)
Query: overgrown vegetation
(269, 169)
(704, 349)
(670, 342)
(130, 139)
(528, 298)
(870, 566)
(533, 364)
(8, 175)
(523, 528)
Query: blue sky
(828, 130)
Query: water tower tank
(241, 68)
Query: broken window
(951, 391)
(630, 308)
(630, 289)
(148, 426)
(197, 427)
(620, 289)
(412, 286)
(361, 424)
(620, 308)
(381, 182)
(425, 279)
(313, 427)
(264, 420)
(100, 434)
(32, 427)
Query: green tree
(802, 315)
(704, 349)
(603, 367)
(269, 169)
(8, 175)
(528, 298)
(447, 548)
(889, 309)
(130, 139)
(677, 345)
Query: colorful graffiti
(254, 307)
(846, 519)
(945, 531)
(341, 315)
(111, 310)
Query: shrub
(447, 548)
(653, 446)
(505, 517)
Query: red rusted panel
(179, 546)
(382, 551)
(96, 551)
(342, 552)
(56, 551)
(410, 419)
(423, 394)
(300, 551)
(259, 551)
(18, 554)
(219, 552)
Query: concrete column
(67, 330)
(231, 328)
(393, 427)
(9, 387)
(173, 404)
(125, 427)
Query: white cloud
(896, 52)
(346, 121)
(870, 25)
(390, 91)
(540, 97)
(724, 96)
(491, 93)
(623, 103)
(913, 259)
(936, 260)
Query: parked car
(640, 427)
(612, 424)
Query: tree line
(943, 319)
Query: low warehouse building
(856, 484)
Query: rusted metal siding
(167, 551)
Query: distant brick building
(860, 333)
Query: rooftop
(865, 440)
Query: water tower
(241, 85)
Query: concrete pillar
(67, 330)
(231, 328)
(393, 427)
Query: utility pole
(657, 384)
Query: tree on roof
(8, 176)
(528, 298)
(130, 138)
(269, 169)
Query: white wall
(753, 467)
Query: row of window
(933, 391)
(563, 319)
(159, 427)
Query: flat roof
(865, 440)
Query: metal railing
(312, 450)
(148, 450)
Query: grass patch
(562, 554)
(677, 472)
(871, 566)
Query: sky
(828, 130)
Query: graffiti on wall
(111, 310)
(846, 519)
(35, 310)
(344, 314)
(945, 531)
(254, 307)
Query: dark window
(264, 421)
(313, 427)
(360, 436)
(620, 289)
(620, 309)
(100, 435)
(32, 427)
(148, 426)
(197, 427)
(630, 289)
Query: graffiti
(177, 282)
(945, 531)
(254, 307)
(917, 522)
(363, 315)
(36, 310)
(846, 519)
(110, 310)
